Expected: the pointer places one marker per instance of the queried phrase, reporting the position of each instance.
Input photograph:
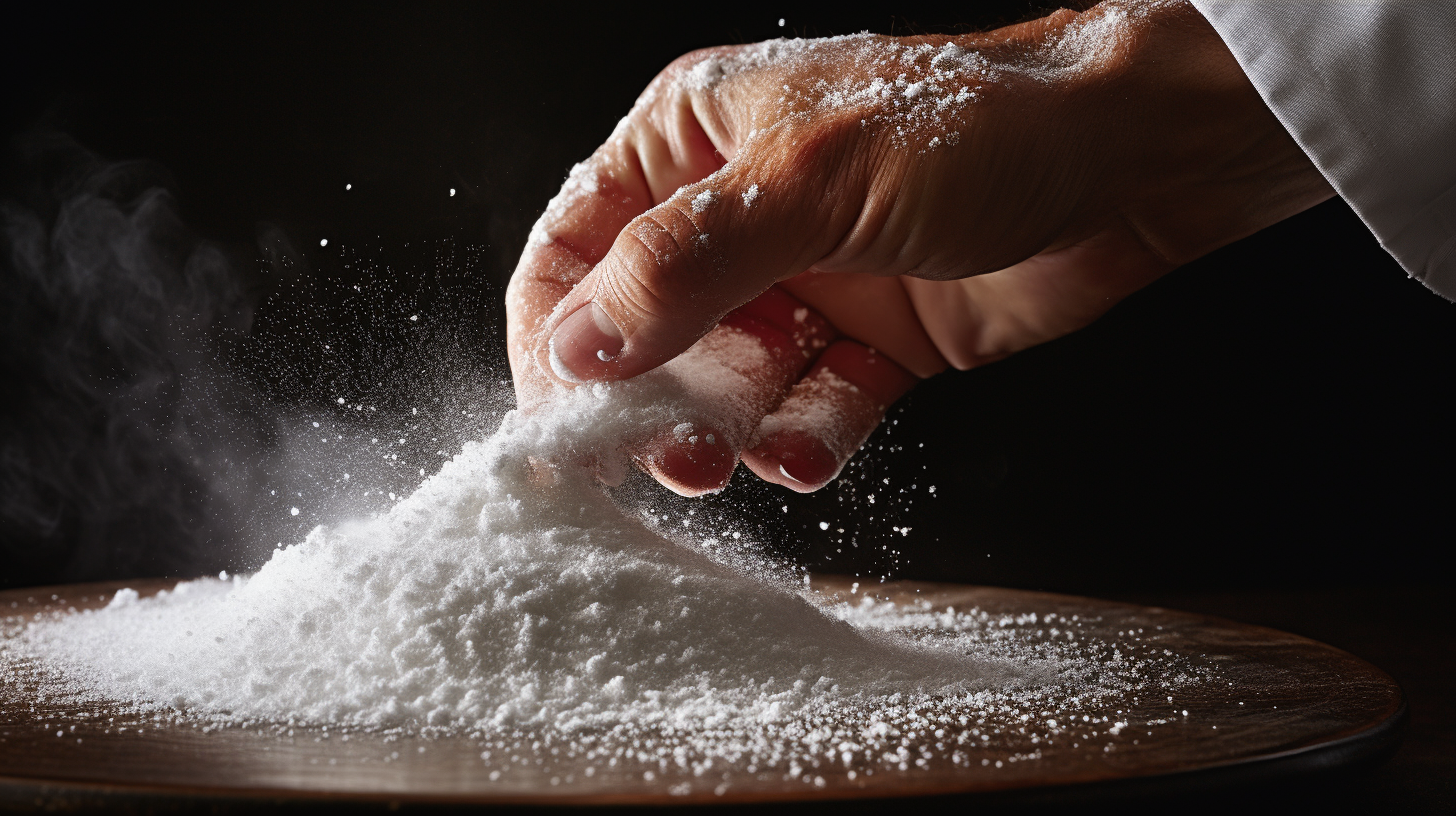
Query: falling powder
(510, 595)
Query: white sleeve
(1368, 90)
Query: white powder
(702, 201)
(750, 195)
(1094, 37)
(510, 600)
(580, 183)
(507, 591)
(822, 406)
(909, 89)
(1091, 40)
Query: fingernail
(686, 467)
(583, 342)
(786, 473)
(804, 460)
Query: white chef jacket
(1368, 90)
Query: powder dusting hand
(870, 209)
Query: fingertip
(689, 461)
(826, 417)
(794, 459)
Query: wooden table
(1284, 706)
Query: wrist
(1207, 162)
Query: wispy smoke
(111, 304)
(163, 416)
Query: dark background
(1265, 433)
(1271, 415)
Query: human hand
(923, 200)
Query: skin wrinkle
(870, 224)
(836, 189)
(926, 302)
(661, 242)
(979, 350)
(611, 292)
(980, 340)
(712, 119)
(922, 368)
(1142, 238)
(648, 149)
(634, 171)
(685, 139)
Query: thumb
(677, 269)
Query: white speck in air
(323, 242)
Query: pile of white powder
(509, 600)
(508, 591)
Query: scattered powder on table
(510, 596)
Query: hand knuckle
(647, 278)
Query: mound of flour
(507, 592)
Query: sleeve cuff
(1368, 91)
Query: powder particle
(702, 201)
